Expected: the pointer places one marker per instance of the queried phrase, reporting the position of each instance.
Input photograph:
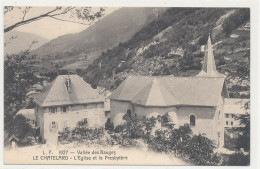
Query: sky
(47, 28)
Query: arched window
(192, 120)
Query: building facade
(65, 102)
(198, 101)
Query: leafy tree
(17, 78)
(81, 13)
(200, 151)
(243, 140)
(20, 128)
(238, 159)
(133, 126)
(166, 121)
(235, 20)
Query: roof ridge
(48, 89)
(143, 88)
(123, 83)
(178, 101)
(52, 88)
(160, 92)
(159, 85)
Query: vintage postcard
(127, 85)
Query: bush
(235, 20)
(238, 159)
(196, 149)
(109, 125)
(125, 142)
(81, 134)
(19, 127)
(200, 151)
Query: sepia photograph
(126, 85)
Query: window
(64, 109)
(53, 126)
(231, 123)
(226, 122)
(107, 113)
(232, 115)
(53, 109)
(192, 120)
(227, 115)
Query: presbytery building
(65, 102)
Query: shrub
(234, 21)
(196, 149)
(238, 159)
(80, 134)
(200, 151)
(125, 142)
(109, 125)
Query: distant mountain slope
(117, 27)
(16, 42)
(173, 43)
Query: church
(198, 101)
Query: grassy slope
(155, 49)
(116, 27)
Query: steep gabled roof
(170, 91)
(155, 94)
(57, 93)
(130, 87)
(197, 91)
(203, 90)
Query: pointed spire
(209, 65)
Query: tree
(243, 140)
(82, 14)
(15, 87)
(235, 20)
(20, 128)
(200, 151)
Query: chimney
(68, 84)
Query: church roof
(201, 90)
(170, 91)
(57, 92)
(155, 94)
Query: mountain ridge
(115, 28)
(16, 41)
